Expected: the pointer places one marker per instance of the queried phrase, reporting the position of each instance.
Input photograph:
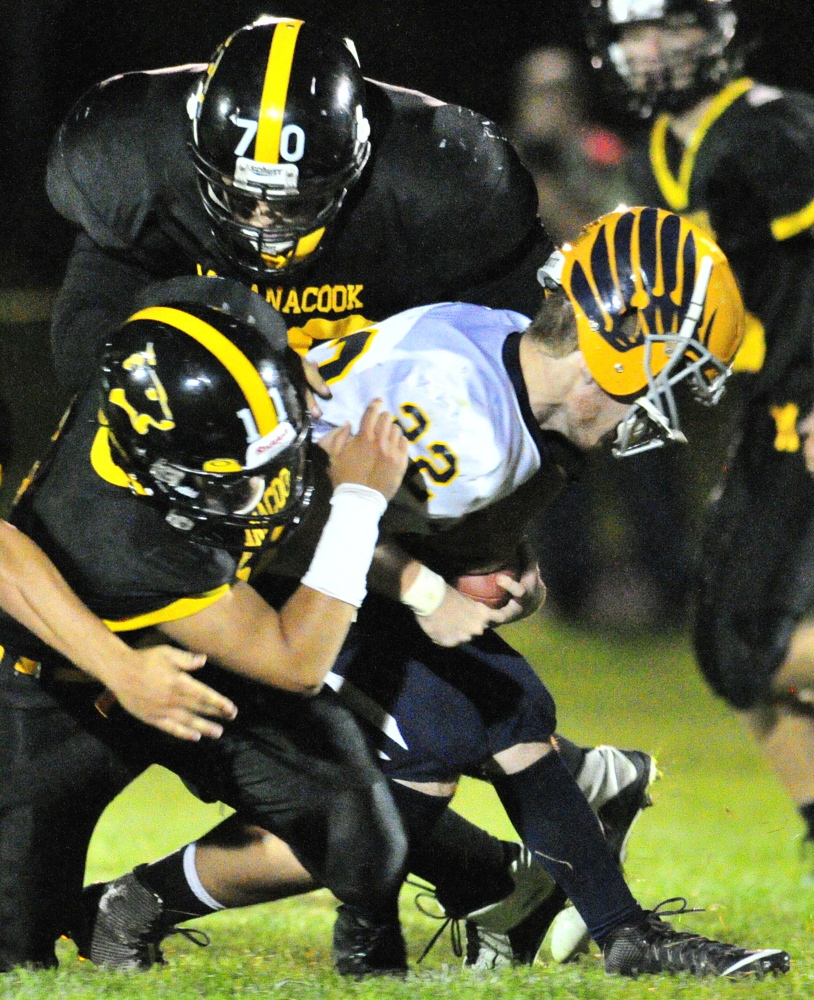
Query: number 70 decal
(292, 139)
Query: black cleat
(124, 925)
(655, 946)
(364, 948)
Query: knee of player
(377, 833)
(518, 757)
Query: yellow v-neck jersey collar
(676, 189)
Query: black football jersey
(443, 211)
(114, 548)
(747, 175)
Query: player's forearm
(34, 592)
(294, 649)
(314, 622)
(314, 628)
(392, 571)
(399, 576)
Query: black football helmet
(203, 404)
(278, 136)
(680, 77)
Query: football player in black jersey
(341, 200)
(153, 684)
(739, 156)
(170, 476)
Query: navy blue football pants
(434, 713)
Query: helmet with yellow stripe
(278, 136)
(205, 412)
(656, 306)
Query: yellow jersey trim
(232, 359)
(275, 91)
(182, 608)
(792, 225)
(676, 189)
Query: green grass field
(721, 833)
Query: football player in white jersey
(495, 410)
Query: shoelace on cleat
(193, 934)
(453, 923)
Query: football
(484, 588)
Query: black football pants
(297, 767)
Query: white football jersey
(441, 371)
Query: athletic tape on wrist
(342, 559)
(425, 593)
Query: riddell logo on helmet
(265, 448)
(281, 176)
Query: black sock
(807, 812)
(468, 866)
(419, 812)
(167, 879)
(572, 756)
(556, 823)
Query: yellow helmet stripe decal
(232, 359)
(275, 91)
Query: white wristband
(342, 559)
(425, 593)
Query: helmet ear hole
(629, 326)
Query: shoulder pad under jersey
(468, 192)
(122, 140)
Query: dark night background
(53, 49)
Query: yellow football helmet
(656, 304)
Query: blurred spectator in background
(617, 552)
(577, 163)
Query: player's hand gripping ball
(484, 588)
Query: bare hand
(375, 457)
(805, 428)
(528, 593)
(458, 619)
(316, 384)
(158, 690)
